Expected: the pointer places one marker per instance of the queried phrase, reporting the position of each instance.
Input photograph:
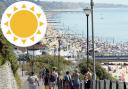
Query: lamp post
(54, 51)
(59, 39)
(92, 21)
(33, 59)
(87, 12)
(92, 24)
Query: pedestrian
(87, 79)
(76, 80)
(60, 80)
(46, 79)
(67, 81)
(53, 78)
(43, 74)
(33, 81)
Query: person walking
(60, 80)
(53, 78)
(33, 81)
(46, 79)
(42, 74)
(67, 81)
(87, 79)
(76, 80)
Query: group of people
(51, 78)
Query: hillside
(71, 5)
(63, 5)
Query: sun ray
(41, 23)
(23, 6)
(8, 32)
(8, 15)
(32, 8)
(15, 8)
(6, 23)
(38, 15)
(32, 38)
(23, 41)
(38, 32)
(15, 38)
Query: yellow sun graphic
(24, 23)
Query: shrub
(100, 71)
(48, 61)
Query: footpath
(25, 83)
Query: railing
(107, 84)
(104, 84)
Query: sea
(110, 24)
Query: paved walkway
(25, 83)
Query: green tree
(100, 71)
(47, 61)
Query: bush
(100, 71)
(19, 82)
(47, 61)
(6, 53)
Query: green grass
(18, 80)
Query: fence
(107, 84)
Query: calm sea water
(109, 23)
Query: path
(25, 84)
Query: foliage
(100, 71)
(6, 54)
(47, 61)
(19, 82)
(1, 60)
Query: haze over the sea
(125, 2)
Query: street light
(33, 58)
(54, 51)
(94, 64)
(92, 21)
(87, 12)
(59, 40)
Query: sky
(96, 1)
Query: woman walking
(53, 78)
(76, 80)
(87, 79)
(46, 80)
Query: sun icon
(24, 23)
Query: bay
(109, 23)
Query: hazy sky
(96, 1)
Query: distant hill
(71, 5)
(64, 5)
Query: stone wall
(7, 80)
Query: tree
(100, 71)
(48, 61)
